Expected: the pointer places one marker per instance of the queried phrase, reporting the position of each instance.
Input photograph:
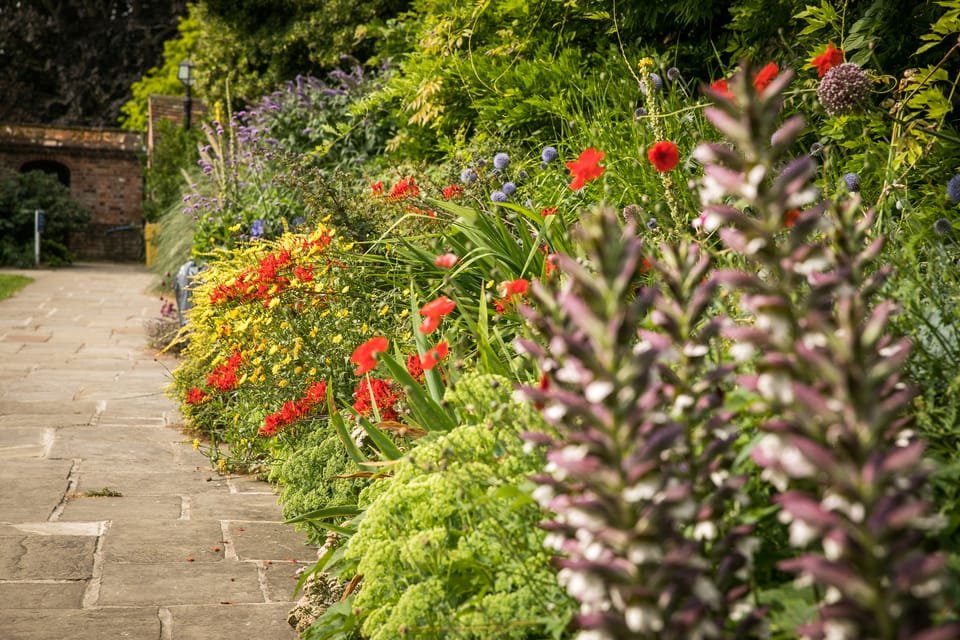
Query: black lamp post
(185, 75)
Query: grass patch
(106, 492)
(10, 284)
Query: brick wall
(105, 177)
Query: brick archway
(102, 170)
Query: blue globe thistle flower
(549, 154)
(528, 203)
(508, 188)
(942, 227)
(468, 176)
(498, 196)
(953, 189)
(655, 81)
(673, 74)
(257, 228)
(501, 161)
(639, 112)
(523, 175)
(816, 150)
(853, 182)
(297, 222)
(652, 224)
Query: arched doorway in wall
(60, 170)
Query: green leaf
(340, 511)
(429, 414)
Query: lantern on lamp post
(185, 76)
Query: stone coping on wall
(59, 137)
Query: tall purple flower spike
(838, 445)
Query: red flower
(432, 357)
(452, 191)
(374, 391)
(433, 311)
(415, 367)
(303, 273)
(363, 355)
(195, 396)
(586, 168)
(514, 287)
(550, 265)
(406, 188)
(663, 155)
(224, 376)
(722, 87)
(765, 76)
(316, 393)
(377, 188)
(827, 60)
(446, 261)
(790, 218)
(548, 211)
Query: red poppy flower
(363, 355)
(586, 168)
(663, 156)
(433, 311)
(514, 287)
(722, 87)
(446, 261)
(377, 188)
(827, 60)
(432, 357)
(765, 76)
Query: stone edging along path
(181, 553)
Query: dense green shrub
(21, 194)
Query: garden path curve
(182, 553)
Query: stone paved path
(183, 554)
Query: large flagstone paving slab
(29, 499)
(157, 541)
(72, 624)
(93, 509)
(269, 541)
(183, 582)
(236, 506)
(51, 595)
(34, 557)
(123, 445)
(132, 483)
(232, 622)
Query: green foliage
(161, 80)
(10, 284)
(21, 194)
(174, 149)
(448, 545)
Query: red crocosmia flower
(195, 396)
(586, 168)
(304, 274)
(722, 87)
(548, 211)
(790, 217)
(765, 76)
(406, 188)
(663, 156)
(415, 367)
(516, 287)
(827, 60)
(645, 265)
(372, 391)
(377, 188)
(446, 261)
(432, 357)
(550, 265)
(363, 355)
(452, 191)
(433, 311)
(316, 393)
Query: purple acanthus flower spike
(833, 416)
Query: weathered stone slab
(225, 622)
(131, 445)
(282, 579)
(249, 484)
(269, 541)
(32, 557)
(237, 506)
(179, 583)
(134, 483)
(156, 541)
(30, 595)
(47, 624)
(86, 509)
(53, 405)
(29, 499)
(21, 442)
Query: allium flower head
(549, 154)
(852, 181)
(843, 89)
(953, 189)
(501, 161)
(498, 196)
(468, 176)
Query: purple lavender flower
(498, 196)
(953, 189)
(501, 161)
(549, 154)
